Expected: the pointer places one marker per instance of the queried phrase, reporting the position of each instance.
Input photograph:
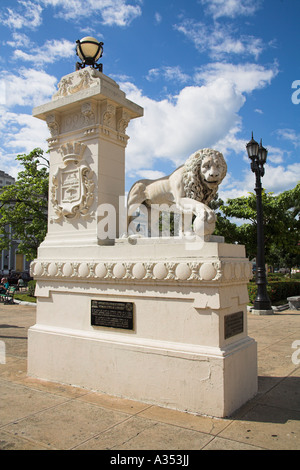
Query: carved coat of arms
(72, 191)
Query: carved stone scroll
(53, 125)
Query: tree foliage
(281, 225)
(24, 205)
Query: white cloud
(9, 163)
(168, 73)
(153, 74)
(232, 188)
(27, 15)
(218, 40)
(231, 143)
(20, 133)
(231, 8)
(290, 135)
(29, 88)
(276, 180)
(29, 133)
(277, 155)
(113, 12)
(20, 40)
(150, 174)
(2, 93)
(48, 53)
(246, 77)
(198, 117)
(158, 18)
(174, 128)
(120, 13)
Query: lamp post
(258, 156)
(89, 50)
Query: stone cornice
(143, 271)
(87, 85)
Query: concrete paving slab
(219, 443)
(115, 403)
(40, 415)
(66, 426)
(286, 394)
(269, 427)
(165, 436)
(11, 442)
(176, 418)
(118, 437)
(17, 402)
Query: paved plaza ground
(39, 415)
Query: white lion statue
(190, 188)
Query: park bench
(8, 296)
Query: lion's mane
(194, 185)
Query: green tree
(281, 224)
(224, 227)
(24, 205)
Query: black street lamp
(89, 50)
(258, 156)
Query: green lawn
(24, 297)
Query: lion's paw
(204, 225)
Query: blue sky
(207, 73)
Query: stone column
(87, 119)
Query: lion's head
(203, 172)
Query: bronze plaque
(112, 314)
(233, 324)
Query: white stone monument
(158, 320)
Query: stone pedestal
(262, 312)
(187, 348)
(161, 321)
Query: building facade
(11, 260)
